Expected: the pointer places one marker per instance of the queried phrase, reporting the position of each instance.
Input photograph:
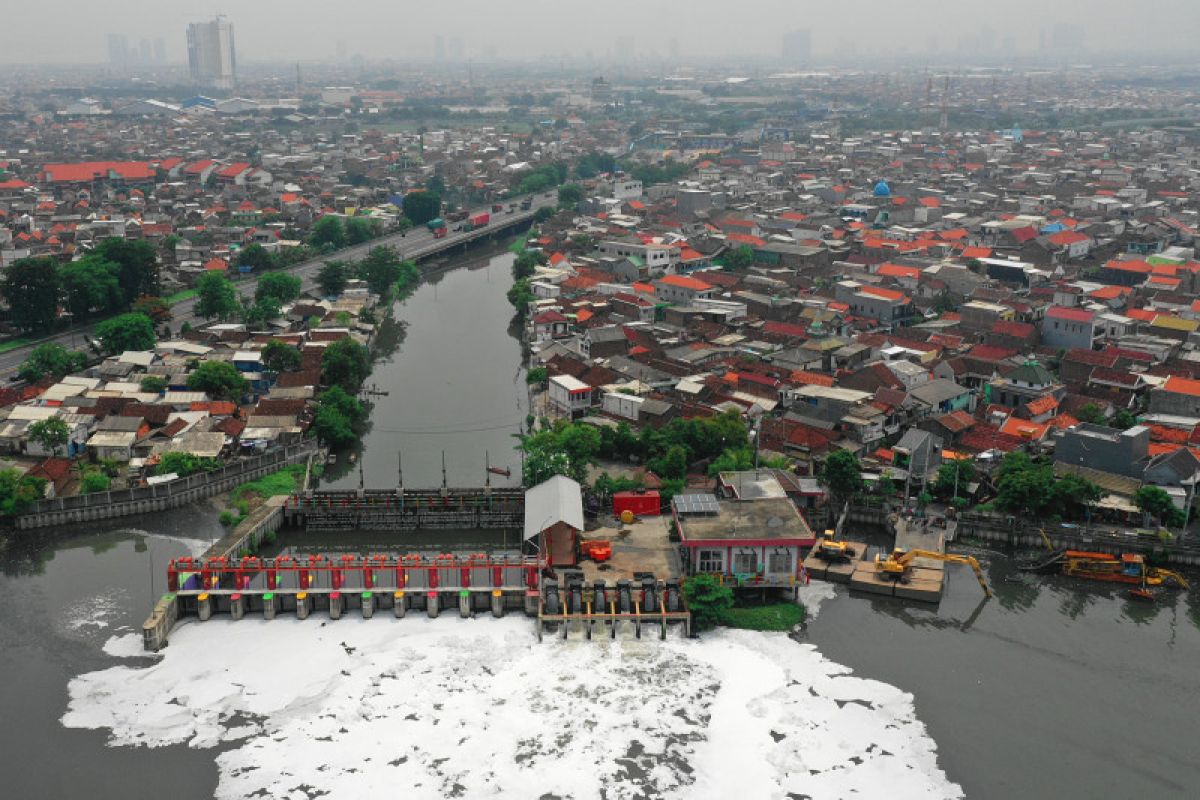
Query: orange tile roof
(685, 282)
(886, 294)
(1179, 385)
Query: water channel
(1055, 688)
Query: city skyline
(275, 31)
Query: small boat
(353, 457)
(1143, 594)
(505, 471)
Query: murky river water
(1053, 689)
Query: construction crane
(829, 549)
(898, 565)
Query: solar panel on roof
(696, 504)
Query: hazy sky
(76, 30)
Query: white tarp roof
(556, 500)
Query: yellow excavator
(897, 566)
(830, 549)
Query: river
(1055, 688)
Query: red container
(642, 504)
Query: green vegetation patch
(772, 617)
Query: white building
(569, 395)
(211, 56)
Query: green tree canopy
(740, 257)
(1091, 413)
(420, 207)
(278, 285)
(154, 384)
(137, 264)
(51, 433)
(91, 284)
(569, 195)
(380, 268)
(333, 275)
(130, 331)
(345, 363)
(53, 360)
(30, 287)
(216, 297)
(520, 295)
(542, 214)
(708, 599)
(360, 229)
(1158, 504)
(219, 379)
(184, 464)
(956, 473)
(327, 232)
(19, 492)
(563, 449)
(843, 474)
(279, 356)
(256, 257)
(1025, 486)
(333, 428)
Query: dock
(834, 571)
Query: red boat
(1143, 594)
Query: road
(415, 244)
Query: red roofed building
(1177, 396)
(89, 171)
(681, 289)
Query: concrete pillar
(269, 605)
(303, 605)
(399, 604)
(531, 603)
(368, 605)
(335, 605)
(497, 603)
(237, 606)
(204, 606)
(464, 603)
(431, 604)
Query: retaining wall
(164, 496)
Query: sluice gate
(399, 510)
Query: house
(554, 520)
(117, 445)
(1069, 328)
(682, 289)
(569, 395)
(605, 342)
(941, 396)
(1104, 449)
(550, 325)
(1178, 396)
(755, 539)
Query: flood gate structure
(400, 510)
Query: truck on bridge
(479, 221)
(437, 227)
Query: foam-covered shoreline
(477, 708)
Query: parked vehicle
(497, 207)
(440, 233)
(434, 224)
(480, 220)
(526, 204)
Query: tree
(327, 232)
(1157, 503)
(31, 287)
(740, 258)
(184, 464)
(526, 262)
(843, 474)
(279, 356)
(153, 384)
(51, 433)
(1091, 413)
(346, 404)
(345, 363)
(130, 331)
(380, 268)
(436, 185)
(91, 284)
(708, 599)
(278, 285)
(256, 257)
(520, 295)
(333, 276)
(219, 379)
(422, 206)
(216, 296)
(51, 360)
(1123, 420)
(332, 428)
(537, 376)
(137, 265)
(569, 195)
(565, 449)
(94, 481)
(153, 307)
(672, 464)
(359, 230)
(19, 492)
(542, 214)
(953, 476)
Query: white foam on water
(812, 595)
(95, 613)
(478, 708)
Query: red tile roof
(685, 282)
(88, 171)
(1070, 314)
(1186, 386)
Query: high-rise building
(439, 47)
(211, 55)
(118, 50)
(797, 48)
(160, 51)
